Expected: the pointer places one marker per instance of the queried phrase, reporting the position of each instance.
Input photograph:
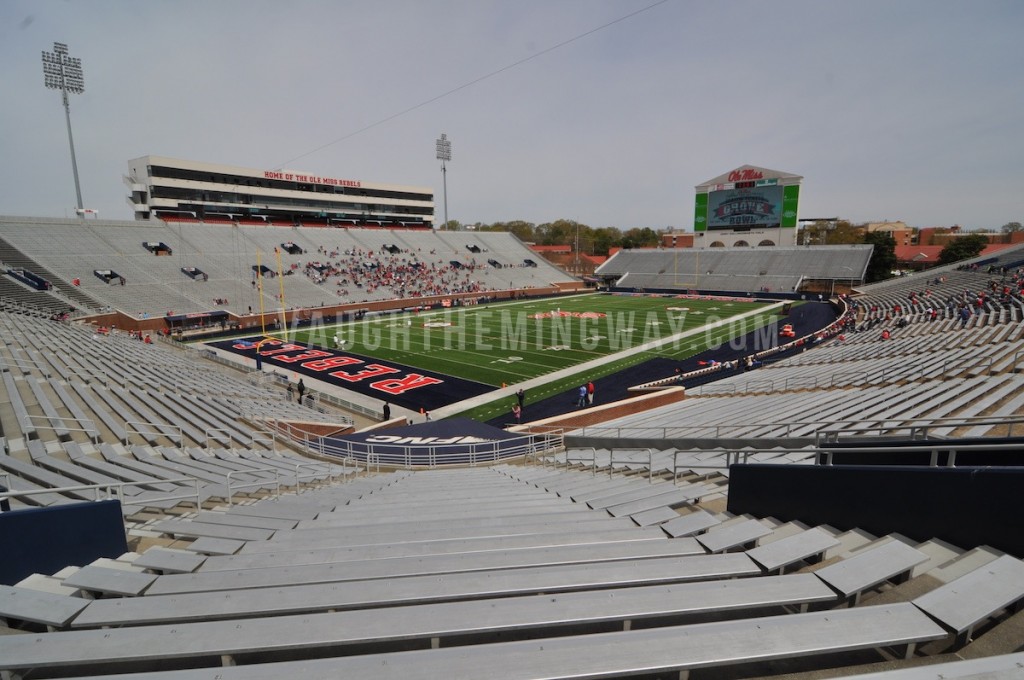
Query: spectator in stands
(517, 413)
(301, 389)
(590, 393)
(426, 416)
(965, 316)
(387, 411)
(289, 391)
(521, 397)
(581, 396)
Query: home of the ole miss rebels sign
(387, 381)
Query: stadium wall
(968, 507)
(45, 540)
(595, 415)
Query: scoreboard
(747, 199)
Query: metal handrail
(156, 432)
(934, 448)
(94, 438)
(109, 488)
(209, 432)
(264, 436)
(650, 463)
(311, 475)
(249, 485)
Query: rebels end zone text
(319, 361)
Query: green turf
(503, 343)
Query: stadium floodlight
(64, 73)
(444, 154)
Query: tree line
(601, 240)
(591, 240)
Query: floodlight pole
(444, 154)
(64, 73)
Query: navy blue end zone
(411, 388)
(453, 441)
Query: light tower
(444, 154)
(64, 73)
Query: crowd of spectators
(401, 274)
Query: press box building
(169, 188)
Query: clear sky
(891, 109)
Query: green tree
(558, 233)
(963, 248)
(524, 231)
(605, 238)
(640, 237)
(883, 257)
(829, 232)
(1011, 227)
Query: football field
(509, 342)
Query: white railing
(112, 491)
(426, 455)
(137, 425)
(251, 485)
(87, 426)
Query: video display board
(759, 206)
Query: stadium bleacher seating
(615, 559)
(67, 250)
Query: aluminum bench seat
(870, 567)
(119, 472)
(25, 425)
(27, 604)
(452, 563)
(84, 421)
(456, 515)
(110, 581)
(207, 545)
(235, 519)
(300, 538)
(689, 524)
(230, 462)
(778, 555)
(312, 471)
(169, 561)
(965, 602)
(42, 476)
(259, 554)
(40, 498)
(676, 649)
(1001, 667)
(677, 496)
(734, 535)
(415, 589)
(56, 422)
(280, 508)
(431, 623)
(186, 528)
(653, 516)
